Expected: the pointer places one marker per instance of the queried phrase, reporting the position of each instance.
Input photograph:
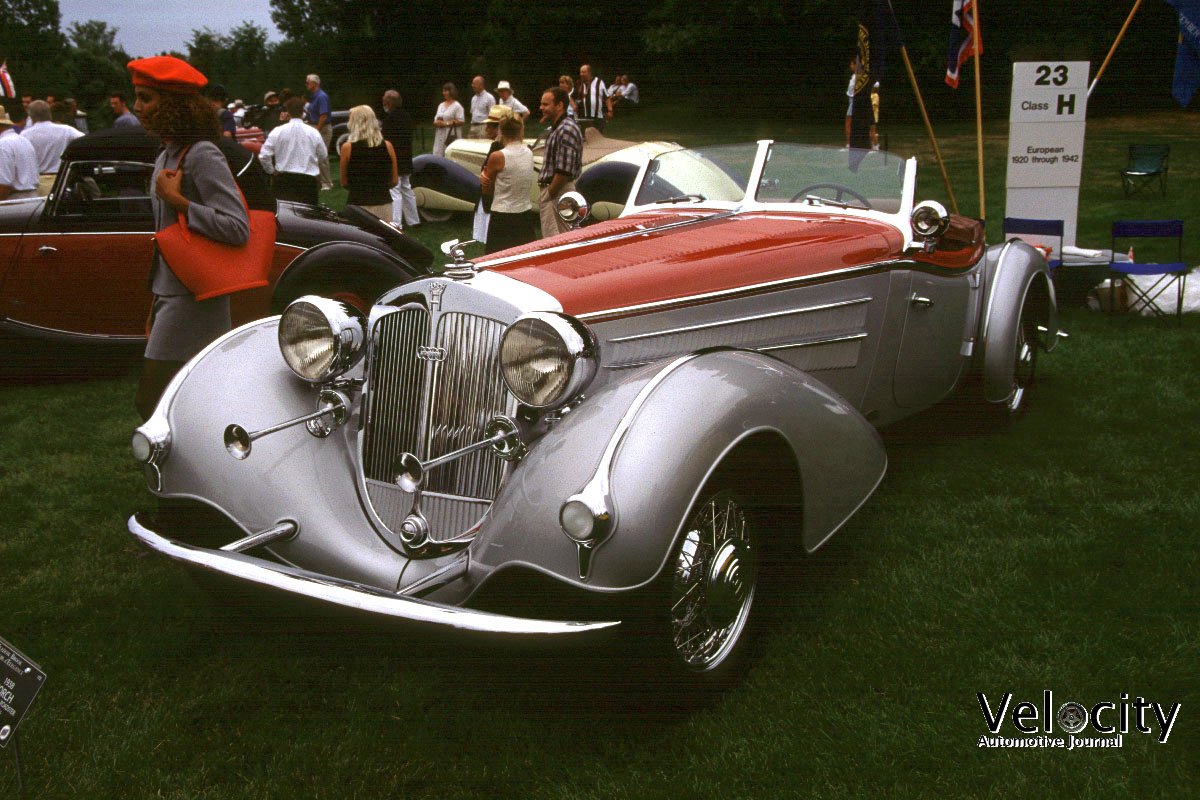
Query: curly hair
(183, 118)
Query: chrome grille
(396, 377)
(467, 391)
(431, 407)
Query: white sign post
(1046, 123)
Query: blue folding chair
(1144, 296)
(1038, 227)
(1147, 164)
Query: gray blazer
(216, 209)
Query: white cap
(503, 85)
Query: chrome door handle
(47, 249)
(919, 301)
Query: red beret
(166, 73)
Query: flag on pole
(963, 36)
(877, 34)
(7, 89)
(1187, 53)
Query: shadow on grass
(250, 636)
(25, 361)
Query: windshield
(794, 173)
(710, 173)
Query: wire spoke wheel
(712, 582)
(1025, 363)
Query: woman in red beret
(191, 177)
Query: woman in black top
(367, 164)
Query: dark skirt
(509, 230)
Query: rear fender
(437, 175)
(1016, 274)
(651, 441)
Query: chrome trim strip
(736, 320)
(350, 595)
(659, 305)
(813, 343)
(790, 346)
(991, 290)
(27, 329)
(81, 233)
(616, 237)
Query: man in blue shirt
(317, 114)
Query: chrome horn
(331, 404)
(502, 434)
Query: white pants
(404, 203)
(323, 165)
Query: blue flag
(1187, 54)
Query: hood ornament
(460, 269)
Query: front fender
(290, 475)
(1016, 275)
(655, 437)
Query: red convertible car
(74, 264)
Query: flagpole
(979, 112)
(937, 153)
(1113, 49)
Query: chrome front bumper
(354, 596)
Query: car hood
(598, 272)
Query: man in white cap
(505, 93)
(18, 163)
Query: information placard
(20, 680)
(1047, 121)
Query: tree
(95, 37)
(33, 46)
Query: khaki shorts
(552, 223)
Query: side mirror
(929, 221)
(573, 208)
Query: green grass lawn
(1059, 554)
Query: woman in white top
(508, 179)
(448, 120)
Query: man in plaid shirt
(562, 162)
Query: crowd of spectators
(298, 137)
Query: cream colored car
(449, 184)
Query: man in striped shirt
(562, 162)
(592, 99)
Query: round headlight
(320, 338)
(547, 359)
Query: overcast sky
(144, 29)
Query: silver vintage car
(640, 418)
